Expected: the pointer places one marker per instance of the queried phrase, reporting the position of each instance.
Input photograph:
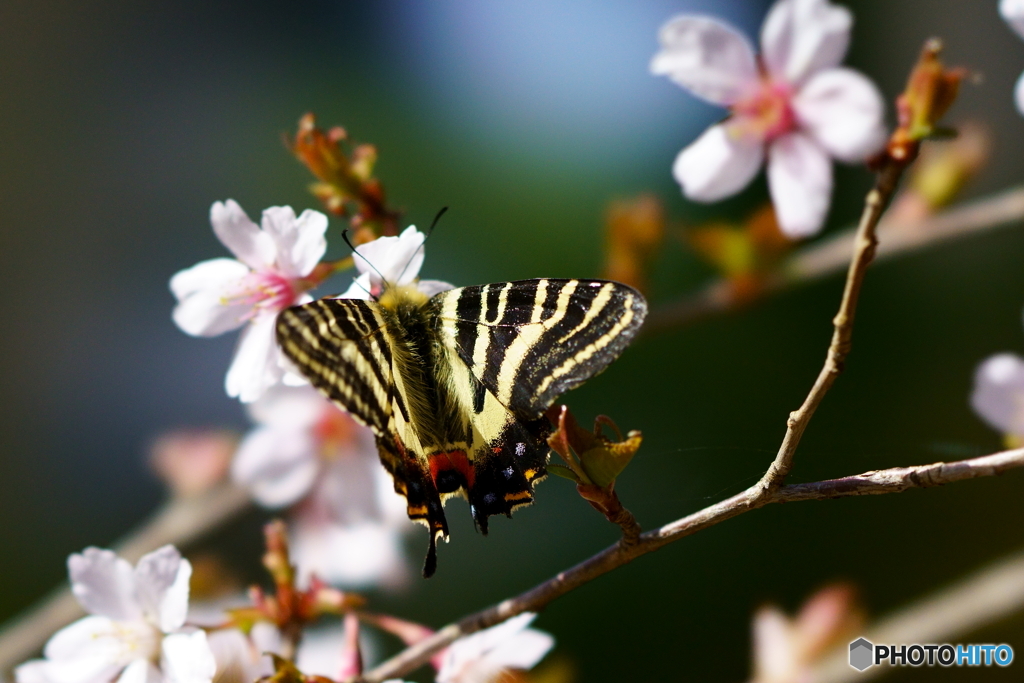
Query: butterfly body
(455, 386)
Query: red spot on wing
(452, 460)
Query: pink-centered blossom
(136, 630)
(347, 521)
(485, 656)
(792, 105)
(1013, 13)
(270, 273)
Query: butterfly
(455, 386)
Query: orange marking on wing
(452, 460)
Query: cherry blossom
(270, 273)
(792, 104)
(245, 658)
(484, 656)
(394, 262)
(1013, 13)
(136, 631)
(347, 521)
(998, 396)
(787, 649)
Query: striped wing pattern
(342, 346)
(529, 341)
(345, 349)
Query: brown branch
(830, 255)
(180, 521)
(864, 251)
(893, 480)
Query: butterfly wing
(529, 341)
(344, 348)
(512, 348)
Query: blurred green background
(122, 122)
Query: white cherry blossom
(245, 658)
(136, 629)
(392, 262)
(484, 656)
(347, 520)
(270, 273)
(998, 396)
(1013, 13)
(792, 105)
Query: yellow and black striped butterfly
(455, 386)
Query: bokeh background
(123, 121)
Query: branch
(864, 251)
(993, 593)
(180, 521)
(893, 480)
(829, 256)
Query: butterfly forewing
(343, 348)
(529, 341)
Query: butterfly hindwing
(529, 341)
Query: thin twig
(993, 593)
(864, 251)
(892, 480)
(180, 521)
(829, 256)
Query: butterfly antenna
(430, 231)
(344, 236)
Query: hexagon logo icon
(862, 653)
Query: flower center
(137, 640)
(767, 112)
(265, 290)
(334, 433)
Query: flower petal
(717, 164)
(395, 259)
(140, 671)
(843, 111)
(800, 37)
(300, 242)
(292, 408)
(204, 308)
(359, 289)
(255, 367)
(998, 396)
(33, 671)
(1013, 12)
(433, 287)
(800, 182)
(104, 584)
(278, 465)
(709, 58)
(238, 660)
(522, 651)
(774, 655)
(1018, 94)
(357, 555)
(247, 242)
(162, 579)
(468, 658)
(186, 658)
(89, 637)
